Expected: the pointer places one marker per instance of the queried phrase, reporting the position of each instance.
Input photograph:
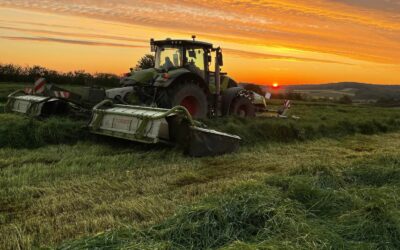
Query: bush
(345, 99)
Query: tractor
(183, 76)
(157, 104)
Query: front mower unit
(153, 125)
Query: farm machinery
(158, 104)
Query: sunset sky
(285, 41)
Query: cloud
(249, 54)
(70, 34)
(387, 5)
(41, 24)
(358, 29)
(67, 41)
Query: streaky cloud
(67, 41)
(72, 34)
(266, 56)
(356, 29)
(44, 24)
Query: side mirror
(220, 58)
(192, 53)
(209, 58)
(152, 46)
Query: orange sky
(285, 41)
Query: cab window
(195, 61)
(168, 58)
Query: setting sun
(275, 85)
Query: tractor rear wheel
(192, 97)
(242, 107)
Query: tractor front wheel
(242, 107)
(192, 97)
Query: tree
(146, 62)
(345, 99)
(15, 73)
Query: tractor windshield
(168, 58)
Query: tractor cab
(193, 55)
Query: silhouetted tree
(146, 62)
(345, 99)
(15, 73)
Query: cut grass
(63, 192)
(19, 131)
(295, 210)
(316, 192)
(316, 122)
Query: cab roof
(169, 41)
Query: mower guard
(153, 125)
(33, 105)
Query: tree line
(16, 73)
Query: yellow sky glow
(284, 41)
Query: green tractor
(157, 105)
(183, 76)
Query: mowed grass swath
(326, 180)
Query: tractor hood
(159, 78)
(140, 77)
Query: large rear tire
(242, 107)
(192, 97)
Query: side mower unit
(34, 105)
(152, 125)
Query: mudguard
(228, 96)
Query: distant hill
(358, 91)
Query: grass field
(326, 93)
(327, 181)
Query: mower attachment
(33, 105)
(154, 125)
